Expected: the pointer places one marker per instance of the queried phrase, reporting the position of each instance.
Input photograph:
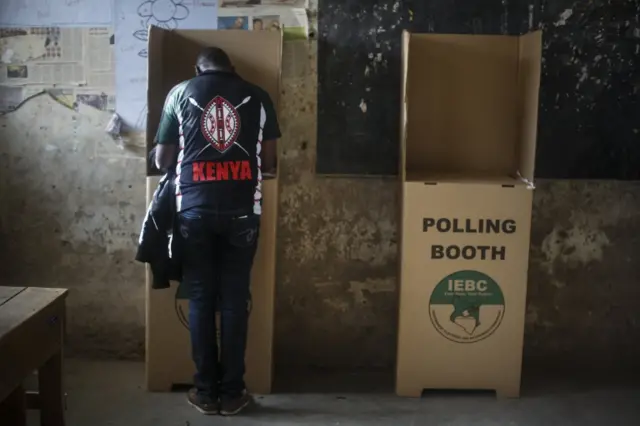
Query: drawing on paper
(162, 13)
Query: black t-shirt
(218, 120)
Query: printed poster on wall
(265, 15)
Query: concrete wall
(72, 202)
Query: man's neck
(215, 69)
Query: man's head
(239, 23)
(257, 24)
(213, 59)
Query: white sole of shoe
(240, 408)
(206, 413)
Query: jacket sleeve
(153, 242)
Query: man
(257, 24)
(220, 132)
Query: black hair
(213, 58)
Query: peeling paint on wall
(70, 218)
(575, 245)
(564, 16)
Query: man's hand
(269, 158)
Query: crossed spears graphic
(195, 104)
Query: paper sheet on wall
(132, 20)
(73, 64)
(290, 15)
(60, 64)
(293, 21)
(45, 13)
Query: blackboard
(589, 114)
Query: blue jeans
(218, 255)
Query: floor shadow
(257, 409)
(536, 382)
(540, 382)
(325, 381)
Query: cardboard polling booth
(469, 118)
(257, 58)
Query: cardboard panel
(529, 84)
(464, 97)
(169, 63)
(168, 347)
(259, 355)
(179, 59)
(406, 37)
(257, 56)
(155, 86)
(469, 336)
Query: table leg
(51, 394)
(13, 409)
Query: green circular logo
(466, 307)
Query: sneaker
(232, 406)
(205, 404)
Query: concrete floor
(112, 394)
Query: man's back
(222, 121)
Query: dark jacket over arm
(159, 244)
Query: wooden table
(31, 333)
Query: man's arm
(166, 156)
(168, 134)
(269, 156)
(270, 135)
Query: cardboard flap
(171, 59)
(406, 36)
(469, 101)
(530, 52)
(462, 115)
(180, 58)
(257, 56)
(155, 91)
